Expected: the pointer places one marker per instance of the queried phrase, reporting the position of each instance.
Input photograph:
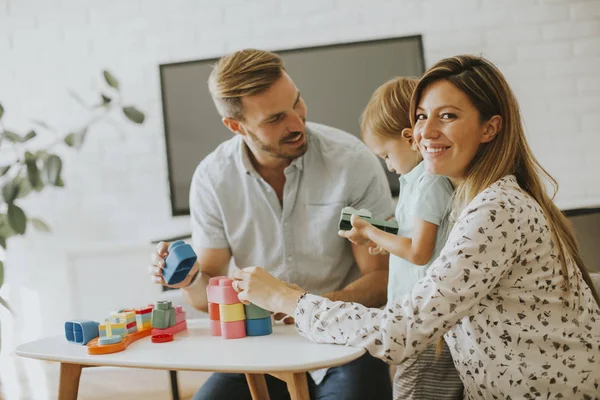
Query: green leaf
(134, 114)
(1, 110)
(5, 230)
(105, 100)
(60, 182)
(4, 170)
(24, 186)
(10, 191)
(17, 219)
(33, 173)
(39, 225)
(3, 242)
(75, 139)
(13, 137)
(52, 168)
(5, 304)
(111, 80)
(30, 135)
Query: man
(272, 196)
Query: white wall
(117, 187)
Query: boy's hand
(359, 234)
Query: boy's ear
(233, 125)
(491, 129)
(407, 133)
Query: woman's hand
(359, 234)
(255, 285)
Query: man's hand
(157, 264)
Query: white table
(283, 354)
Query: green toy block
(172, 320)
(163, 305)
(255, 312)
(160, 318)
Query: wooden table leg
(258, 386)
(298, 386)
(69, 381)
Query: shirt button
(289, 258)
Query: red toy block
(220, 291)
(215, 327)
(172, 330)
(233, 330)
(213, 312)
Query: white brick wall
(117, 187)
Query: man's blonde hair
(387, 112)
(244, 73)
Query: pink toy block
(220, 291)
(213, 311)
(172, 330)
(233, 330)
(215, 327)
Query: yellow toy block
(232, 312)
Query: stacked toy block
(143, 318)
(167, 320)
(126, 316)
(229, 317)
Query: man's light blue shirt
(233, 207)
(426, 197)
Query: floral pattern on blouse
(496, 294)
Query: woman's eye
(275, 120)
(448, 116)
(421, 117)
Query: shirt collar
(413, 175)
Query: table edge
(103, 363)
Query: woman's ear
(491, 129)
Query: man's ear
(491, 129)
(234, 125)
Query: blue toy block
(259, 327)
(81, 332)
(180, 260)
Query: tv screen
(336, 82)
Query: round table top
(196, 350)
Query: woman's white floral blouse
(496, 295)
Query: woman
(509, 293)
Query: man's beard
(277, 150)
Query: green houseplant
(29, 169)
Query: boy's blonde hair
(387, 112)
(243, 73)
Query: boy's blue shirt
(426, 197)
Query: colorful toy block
(230, 318)
(390, 226)
(171, 320)
(122, 328)
(180, 260)
(259, 327)
(233, 330)
(163, 315)
(80, 331)
(232, 312)
(255, 312)
(220, 291)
